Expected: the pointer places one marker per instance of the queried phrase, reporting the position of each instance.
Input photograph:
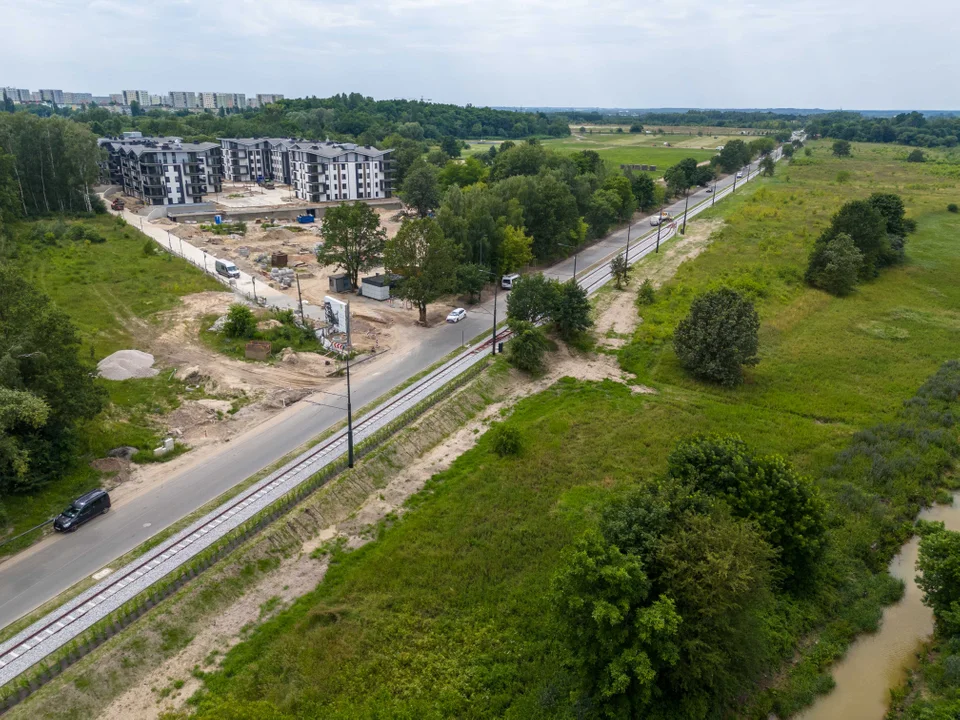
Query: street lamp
(349, 415)
(659, 225)
(714, 201)
(626, 253)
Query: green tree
(788, 150)
(620, 270)
(241, 322)
(621, 639)
(470, 280)
(549, 209)
(718, 337)
(835, 266)
(636, 128)
(464, 173)
(602, 211)
(421, 189)
(523, 159)
(135, 109)
(353, 240)
(643, 188)
(532, 299)
(515, 250)
(890, 206)
(425, 260)
(765, 490)
(939, 578)
(866, 225)
(735, 155)
(571, 312)
(620, 185)
(527, 347)
(762, 146)
(841, 148)
(48, 390)
(450, 146)
(19, 409)
(767, 166)
(916, 156)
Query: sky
(854, 54)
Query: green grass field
(109, 290)
(631, 149)
(448, 613)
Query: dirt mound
(279, 234)
(126, 364)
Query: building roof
(333, 149)
(138, 146)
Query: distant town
(127, 102)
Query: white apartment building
(280, 160)
(328, 171)
(142, 97)
(247, 159)
(183, 100)
(164, 171)
(52, 96)
(263, 99)
(17, 95)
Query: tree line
(47, 165)
(911, 128)
(343, 117)
(704, 118)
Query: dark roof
(379, 280)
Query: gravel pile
(126, 364)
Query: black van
(84, 508)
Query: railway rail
(69, 621)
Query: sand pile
(126, 364)
(279, 234)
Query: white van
(227, 269)
(507, 281)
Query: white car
(456, 315)
(739, 175)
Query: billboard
(337, 315)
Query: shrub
(841, 148)
(620, 269)
(149, 248)
(843, 176)
(916, 156)
(718, 337)
(241, 322)
(952, 207)
(95, 237)
(527, 348)
(506, 440)
(647, 295)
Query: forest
(912, 128)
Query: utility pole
(626, 254)
(493, 343)
(254, 281)
(659, 225)
(300, 298)
(686, 203)
(714, 202)
(576, 253)
(349, 416)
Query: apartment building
(52, 96)
(142, 97)
(326, 171)
(17, 95)
(280, 161)
(183, 100)
(208, 100)
(263, 99)
(247, 159)
(164, 170)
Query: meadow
(111, 291)
(448, 613)
(632, 149)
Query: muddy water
(875, 663)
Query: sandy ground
(301, 575)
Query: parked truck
(117, 204)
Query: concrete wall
(197, 214)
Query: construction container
(340, 283)
(278, 260)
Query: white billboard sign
(337, 315)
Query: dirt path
(167, 688)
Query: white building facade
(164, 171)
(327, 171)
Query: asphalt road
(52, 567)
